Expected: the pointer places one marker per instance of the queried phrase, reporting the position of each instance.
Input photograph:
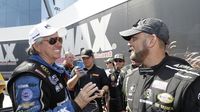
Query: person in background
(68, 64)
(69, 61)
(119, 62)
(130, 67)
(92, 74)
(109, 65)
(2, 87)
(37, 84)
(162, 83)
(116, 96)
(109, 69)
(127, 69)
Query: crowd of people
(152, 81)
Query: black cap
(86, 53)
(148, 25)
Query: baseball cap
(119, 56)
(109, 60)
(41, 30)
(87, 53)
(148, 25)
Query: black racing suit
(171, 86)
(36, 87)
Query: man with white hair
(37, 84)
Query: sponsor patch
(30, 85)
(165, 98)
(27, 105)
(148, 94)
(96, 75)
(21, 86)
(61, 86)
(53, 79)
(159, 84)
(57, 88)
(39, 72)
(27, 94)
(164, 107)
(112, 78)
(131, 90)
(146, 101)
(45, 69)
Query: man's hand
(79, 72)
(85, 95)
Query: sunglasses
(53, 41)
(108, 62)
(85, 58)
(119, 61)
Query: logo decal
(53, 79)
(112, 77)
(131, 90)
(45, 69)
(148, 94)
(27, 94)
(165, 98)
(159, 85)
(95, 75)
(27, 105)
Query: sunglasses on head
(53, 40)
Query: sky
(59, 5)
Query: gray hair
(68, 53)
(31, 50)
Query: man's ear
(152, 41)
(36, 47)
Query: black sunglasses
(118, 60)
(53, 41)
(108, 62)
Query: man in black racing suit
(162, 83)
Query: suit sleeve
(29, 96)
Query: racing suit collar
(54, 66)
(150, 71)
